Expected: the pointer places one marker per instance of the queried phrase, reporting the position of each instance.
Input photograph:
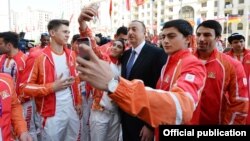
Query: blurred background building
(232, 14)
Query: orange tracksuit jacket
(38, 77)
(182, 82)
(224, 99)
(11, 109)
(246, 64)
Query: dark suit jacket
(147, 68)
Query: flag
(139, 2)
(110, 8)
(62, 15)
(128, 5)
(71, 17)
(220, 19)
(234, 18)
(200, 20)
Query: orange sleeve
(237, 98)
(160, 107)
(29, 79)
(88, 33)
(18, 123)
(156, 107)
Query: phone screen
(85, 41)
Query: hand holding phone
(82, 42)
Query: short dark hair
(213, 25)
(122, 30)
(44, 35)
(10, 37)
(142, 23)
(183, 26)
(56, 23)
(235, 36)
(75, 37)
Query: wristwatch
(113, 84)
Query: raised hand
(88, 13)
(95, 71)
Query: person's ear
(115, 37)
(189, 39)
(9, 45)
(52, 33)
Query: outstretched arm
(156, 107)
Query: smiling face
(117, 49)
(172, 40)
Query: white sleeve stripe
(30, 73)
(34, 87)
(6, 84)
(242, 98)
(234, 116)
(192, 98)
(155, 90)
(178, 119)
(179, 115)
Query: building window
(171, 9)
(187, 13)
(170, 18)
(170, 0)
(204, 15)
(227, 14)
(162, 20)
(215, 3)
(240, 26)
(162, 12)
(204, 4)
(241, 1)
(248, 40)
(229, 29)
(241, 12)
(228, 4)
(215, 14)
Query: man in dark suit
(143, 61)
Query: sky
(49, 5)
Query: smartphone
(86, 41)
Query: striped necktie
(130, 63)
